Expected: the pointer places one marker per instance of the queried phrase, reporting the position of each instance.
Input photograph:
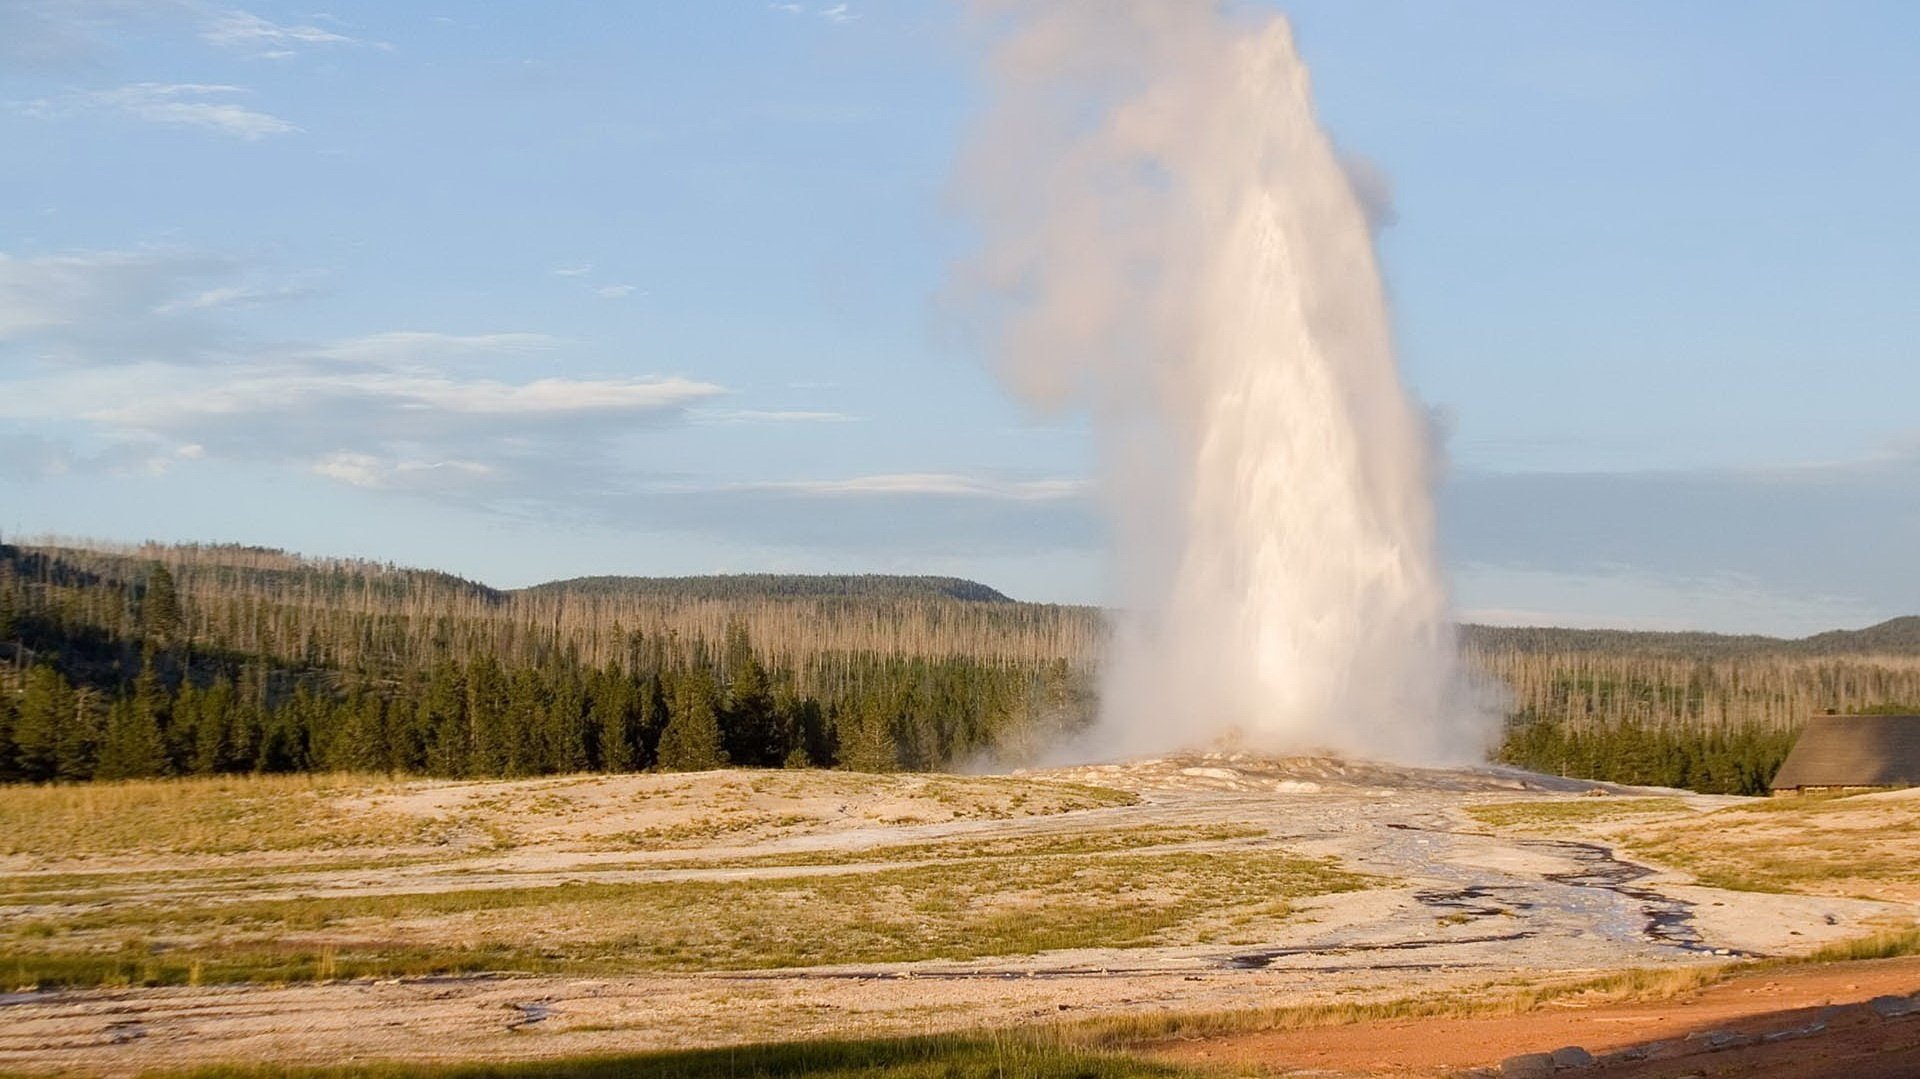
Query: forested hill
(1895, 637)
(164, 659)
(750, 586)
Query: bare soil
(1817, 1017)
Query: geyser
(1170, 240)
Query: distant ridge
(1896, 636)
(730, 586)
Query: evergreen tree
(46, 706)
(77, 738)
(749, 722)
(691, 740)
(160, 606)
(615, 719)
(866, 738)
(130, 747)
(9, 750)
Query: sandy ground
(1459, 905)
(1789, 1022)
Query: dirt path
(1854, 1041)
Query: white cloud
(834, 13)
(201, 105)
(236, 29)
(164, 399)
(228, 296)
(577, 270)
(615, 292)
(375, 473)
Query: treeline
(190, 659)
(1720, 760)
(182, 717)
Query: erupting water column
(1171, 240)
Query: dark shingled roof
(1854, 751)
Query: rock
(1572, 1056)
(1527, 1066)
(1894, 1007)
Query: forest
(122, 662)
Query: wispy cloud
(128, 347)
(833, 13)
(105, 307)
(615, 292)
(928, 484)
(402, 347)
(758, 415)
(236, 29)
(230, 296)
(373, 473)
(207, 106)
(576, 270)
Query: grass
(135, 964)
(1887, 944)
(981, 1056)
(1823, 846)
(1497, 999)
(1539, 813)
(999, 907)
(1047, 845)
(215, 815)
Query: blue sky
(533, 291)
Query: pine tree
(130, 747)
(866, 738)
(691, 740)
(615, 719)
(9, 751)
(46, 705)
(160, 606)
(749, 721)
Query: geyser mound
(1172, 241)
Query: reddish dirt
(1855, 1044)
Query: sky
(543, 290)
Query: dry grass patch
(1044, 845)
(214, 815)
(991, 907)
(1539, 814)
(1859, 846)
(1492, 999)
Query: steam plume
(1171, 241)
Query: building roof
(1854, 751)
